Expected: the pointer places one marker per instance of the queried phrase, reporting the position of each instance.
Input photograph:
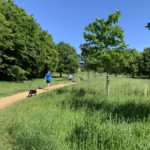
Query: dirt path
(6, 101)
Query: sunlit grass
(81, 117)
(9, 88)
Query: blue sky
(65, 19)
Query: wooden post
(107, 84)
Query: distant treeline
(26, 51)
(138, 64)
(132, 63)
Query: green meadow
(81, 117)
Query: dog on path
(31, 92)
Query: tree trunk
(133, 75)
(60, 74)
(107, 84)
(116, 74)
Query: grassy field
(81, 117)
(9, 88)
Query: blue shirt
(48, 77)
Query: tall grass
(81, 117)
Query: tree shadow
(131, 112)
(79, 100)
(88, 105)
(81, 92)
(61, 91)
(128, 112)
(78, 136)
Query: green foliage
(145, 64)
(68, 59)
(148, 25)
(24, 45)
(134, 60)
(104, 42)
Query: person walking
(48, 78)
(70, 77)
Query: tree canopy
(145, 64)
(25, 49)
(68, 58)
(104, 42)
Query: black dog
(31, 92)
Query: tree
(134, 60)
(6, 48)
(90, 57)
(26, 50)
(146, 58)
(102, 37)
(119, 60)
(148, 26)
(48, 58)
(68, 59)
(145, 67)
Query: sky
(65, 20)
